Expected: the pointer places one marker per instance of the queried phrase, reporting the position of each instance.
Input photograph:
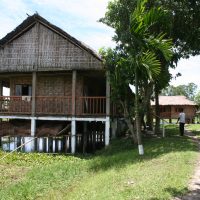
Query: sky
(80, 18)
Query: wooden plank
(74, 75)
(34, 77)
(107, 95)
(1, 89)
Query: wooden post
(1, 89)
(170, 119)
(107, 123)
(33, 93)
(74, 92)
(84, 136)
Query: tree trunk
(157, 111)
(149, 116)
(137, 116)
(128, 121)
(131, 129)
(149, 113)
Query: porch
(53, 105)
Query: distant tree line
(189, 90)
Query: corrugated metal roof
(174, 100)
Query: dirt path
(194, 184)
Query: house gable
(41, 46)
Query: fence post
(163, 126)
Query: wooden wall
(49, 85)
(188, 110)
(174, 113)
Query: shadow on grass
(122, 151)
(174, 192)
(197, 133)
(194, 194)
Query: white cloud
(11, 14)
(82, 14)
(98, 40)
(90, 9)
(13, 6)
(77, 17)
(190, 70)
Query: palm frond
(163, 45)
(149, 62)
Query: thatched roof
(30, 21)
(174, 100)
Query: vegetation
(197, 98)
(114, 173)
(178, 21)
(186, 90)
(136, 59)
(195, 128)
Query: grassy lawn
(114, 173)
(195, 128)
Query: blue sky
(79, 19)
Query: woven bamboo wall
(19, 55)
(55, 52)
(42, 49)
(49, 85)
(58, 86)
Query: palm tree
(144, 45)
(135, 60)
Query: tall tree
(139, 62)
(183, 26)
(197, 98)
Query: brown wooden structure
(52, 77)
(170, 107)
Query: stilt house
(171, 106)
(57, 85)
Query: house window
(23, 90)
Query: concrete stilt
(33, 127)
(73, 136)
(107, 131)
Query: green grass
(114, 173)
(195, 128)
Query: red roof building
(170, 107)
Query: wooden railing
(91, 105)
(53, 105)
(15, 104)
